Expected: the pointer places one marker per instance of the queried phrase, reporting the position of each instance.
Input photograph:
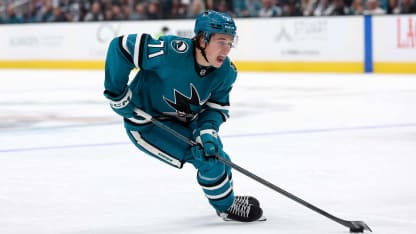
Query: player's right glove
(210, 141)
(199, 154)
(122, 103)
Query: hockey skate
(243, 209)
(247, 200)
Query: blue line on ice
(260, 134)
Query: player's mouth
(220, 59)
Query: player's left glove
(121, 104)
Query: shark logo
(179, 46)
(186, 108)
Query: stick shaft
(346, 223)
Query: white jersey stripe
(124, 44)
(219, 196)
(155, 151)
(136, 51)
(217, 106)
(217, 186)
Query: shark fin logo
(186, 108)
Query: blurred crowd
(34, 11)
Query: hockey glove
(210, 142)
(199, 155)
(122, 103)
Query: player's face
(218, 48)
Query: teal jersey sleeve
(154, 52)
(118, 66)
(130, 51)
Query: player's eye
(225, 43)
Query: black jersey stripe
(125, 53)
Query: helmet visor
(223, 42)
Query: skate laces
(240, 209)
(242, 199)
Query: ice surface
(343, 142)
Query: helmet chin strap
(198, 45)
(204, 54)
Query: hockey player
(185, 83)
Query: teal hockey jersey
(169, 83)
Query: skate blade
(261, 219)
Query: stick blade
(359, 226)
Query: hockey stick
(354, 226)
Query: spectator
(126, 11)
(225, 8)
(309, 6)
(241, 8)
(11, 16)
(407, 7)
(166, 6)
(324, 8)
(103, 10)
(34, 11)
(196, 7)
(47, 11)
(178, 10)
(139, 12)
(210, 5)
(393, 7)
(95, 14)
(357, 7)
(108, 15)
(58, 15)
(153, 10)
(254, 7)
(291, 8)
(75, 11)
(269, 9)
(106, 5)
(340, 8)
(117, 13)
(69, 17)
(373, 8)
